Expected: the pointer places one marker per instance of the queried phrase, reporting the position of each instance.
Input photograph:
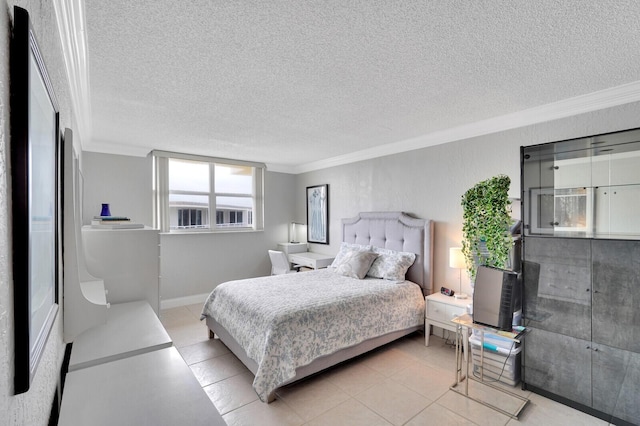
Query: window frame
(193, 215)
(161, 193)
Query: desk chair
(280, 263)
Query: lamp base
(460, 296)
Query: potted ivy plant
(486, 221)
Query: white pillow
(355, 264)
(391, 264)
(346, 248)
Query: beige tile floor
(403, 383)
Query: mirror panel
(583, 188)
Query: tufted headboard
(396, 231)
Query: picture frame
(318, 214)
(35, 168)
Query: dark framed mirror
(35, 157)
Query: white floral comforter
(286, 321)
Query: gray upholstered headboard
(396, 231)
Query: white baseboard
(183, 301)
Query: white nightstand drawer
(436, 311)
(442, 312)
(454, 311)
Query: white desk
(311, 260)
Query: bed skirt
(316, 365)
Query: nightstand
(440, 310)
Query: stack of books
(114, 222)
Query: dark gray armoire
(581, 273)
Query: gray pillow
(345, 249)
(391, 264)
(355, 264)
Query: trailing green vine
(486, 219)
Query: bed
(287, 327)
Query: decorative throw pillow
(391, 264)
(346, 248)
(355, 264)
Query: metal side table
(466, 322)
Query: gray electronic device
(497, 294)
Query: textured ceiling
(292, 82)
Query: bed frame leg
(211, 334)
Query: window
(189, 218)
(235, 216)
(187, 189)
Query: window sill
(210, 231)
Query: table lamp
(293, 234)
(457, 261)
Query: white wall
(427, 183)
(430, 182)
(193, 263)
(123, 182)
(33, 407)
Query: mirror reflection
(587, 187)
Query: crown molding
(607, 98)
(106, 147)
(70, 17)
(282, 168)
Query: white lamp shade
(296, 230)
(456, 258)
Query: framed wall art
(35, 200)
(318, 214)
